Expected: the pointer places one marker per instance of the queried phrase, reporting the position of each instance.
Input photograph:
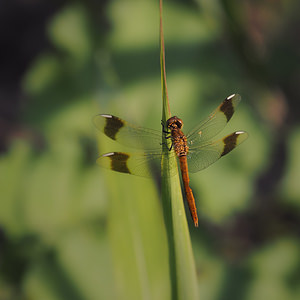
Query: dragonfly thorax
(179, 140)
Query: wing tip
(242, 136)
(234, 97)
(106, 116)
(115, 161)
(232, 140)
(108, 154)
(227, 107)
(110, 125)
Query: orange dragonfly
(195, 151)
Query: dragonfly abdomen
(188, 191)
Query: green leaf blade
(182, 265)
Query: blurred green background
(70, 230)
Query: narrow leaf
(182, 264)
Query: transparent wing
(128, 134)
(215, 122)
(203, 156)
(135, 163)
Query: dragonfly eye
(179, 123)
(174, 122)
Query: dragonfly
(195, 151)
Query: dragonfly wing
(128, 134)
(215, 122)
(203, 156)
(135, 163)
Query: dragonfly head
(174, 123)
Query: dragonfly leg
(163, 127)
(166, 144)
(166, 137)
